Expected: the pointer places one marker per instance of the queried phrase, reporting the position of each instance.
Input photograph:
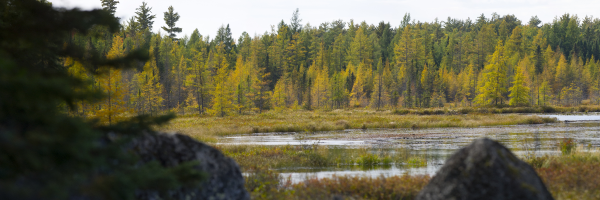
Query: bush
(401, 112)
(566, 146)
(466, 110)
(368, 160)
(262, 179)
(548, 109)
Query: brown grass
(267, 184)
(573, 176)
(209, 128)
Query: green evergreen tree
(494, 79)
(110, 5)
(47, 151)
(519, 93)
(171, 17)
(144, 16)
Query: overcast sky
(257, 16)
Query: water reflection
(432, 145)
(373, 172)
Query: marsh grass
(337, 187)
(570, 176)
(250, 157)
(208, 129)
(567, 145)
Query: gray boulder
(485, 170)
(225, 180)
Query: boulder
(225, 180)
(485, 170)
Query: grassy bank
(248, 157)
(269, 185)
(572, 176)
(208, 128)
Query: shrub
(401, 112)
(262, 179)
(548, 109)
(566, 146)
(466, 110)
(368, 160)
(416, 162)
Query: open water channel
(432, 144)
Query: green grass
(208, 129)
(250, 157)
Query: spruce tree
(144, 16)
(519, 93)
(494, 79)
(47, 153)
(171, 17)
(110, 6)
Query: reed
(209, 129)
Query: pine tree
(171, 17)
(358, 96)
(595, 92)
(77, 69)
(519, 93)
(279, 96)
(114, 107)
(191, 103)
(149, 93)
(379, 97)
(338, 91)
(466, 85)
(562, 72)
(224, 36)
(46, 150)
(197, 80)
(241, 80)
(261, 95)
(493, 80)
(177, 76)
(222, 93)
(144, 16)
(321, 88)
(361, 49)
(539, 60)
(545, 94)
(110, 6)
(403, 51)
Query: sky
(258, 16)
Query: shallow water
(433, 144)
(595, 117)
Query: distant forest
(495, 60)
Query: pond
(433, 145)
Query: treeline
(489, 61)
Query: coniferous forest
(86, 102)
(488, 61)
